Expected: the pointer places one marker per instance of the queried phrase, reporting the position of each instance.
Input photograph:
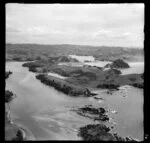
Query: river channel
(46, 113)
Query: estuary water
(135, 67)
(83, 58)
(45, 113)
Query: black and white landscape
(74, 72)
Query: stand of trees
(100, 132)
(93, 113)
(95, 132)
(138, 85)
(33, 66)
(108, 86)
(118, 64)
(66, 89)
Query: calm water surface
(83, 58)
(135, 67)
(128, 102)
(46, 113)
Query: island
(119, 63)
(96, 114)
(64, 87)
(81, 80)
(100, 132)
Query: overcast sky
(86, 24)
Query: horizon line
(140, 47)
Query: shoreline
(10, 125)
(9, 122)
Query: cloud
(41, 31)
(35, 31)
(114, 35)
(12, 30)
(103, 33)
(76, 23)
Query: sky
(81, 24)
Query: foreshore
(12, 130)
(15, 132)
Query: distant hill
(32, 51)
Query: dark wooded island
(93, 113)
(100, 132)
(119, 63)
